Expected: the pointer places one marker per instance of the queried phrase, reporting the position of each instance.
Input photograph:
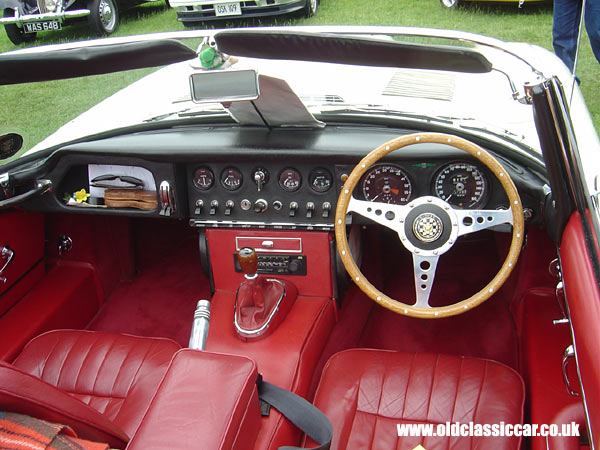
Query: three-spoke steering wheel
(428, 227)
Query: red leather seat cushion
(366, 393)
(205, 401)
(115, 374)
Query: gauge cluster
(305, 195)
(263, 195)
(463, 184)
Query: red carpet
(488, 331)
(161, 299)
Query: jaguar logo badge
(427, 227)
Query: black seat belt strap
(300, 412)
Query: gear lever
(248, 262)
(261, 303)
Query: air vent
(422, 84)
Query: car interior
(293, 237)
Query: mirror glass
(224, 86)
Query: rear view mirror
(224, 86)
(10, 144)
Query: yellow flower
(81, 196)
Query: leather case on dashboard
(128, 198)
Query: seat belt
(300, 412)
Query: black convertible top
(28, 67)
(98, 58)
(356, 50)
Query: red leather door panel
(583, 296)
(23, 233)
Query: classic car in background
(396, 225)
(192, 12)
(23, 19)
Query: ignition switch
(260, 205)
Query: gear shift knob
(248, 262)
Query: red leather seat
(367, 393)
(115, 374)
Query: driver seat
(367, 393)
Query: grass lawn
(532, 24)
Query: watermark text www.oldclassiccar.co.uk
(486, 430)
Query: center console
(288, 355)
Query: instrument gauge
(231, 178)
(203, 178)
(463, 185)
(290, 180)
(387, 184)
(320, 180)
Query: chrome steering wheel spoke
(472, 220)
(386, 214)
(424, 268)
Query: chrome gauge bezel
(320, 173)
(208, 174)
(281, 178)
(231, 171)
(382, 167)
(482, 198)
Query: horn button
(430, 227)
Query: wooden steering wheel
(428, 227)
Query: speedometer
(387, 184)
(462, 185)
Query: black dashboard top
(255, 177)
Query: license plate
(34, 27)
(228, 9)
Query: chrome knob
(214, 205)
(229, 207)
(260, 205)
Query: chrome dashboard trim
(260, 225)
(264, 249)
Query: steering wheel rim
(513, 215)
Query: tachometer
(387, 184)
(462, 185)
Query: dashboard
(304, 195)
(234, 177)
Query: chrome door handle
(568, 354)
(7, 254)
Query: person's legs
(565, 28)
(592, 25)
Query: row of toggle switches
(261, 205)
